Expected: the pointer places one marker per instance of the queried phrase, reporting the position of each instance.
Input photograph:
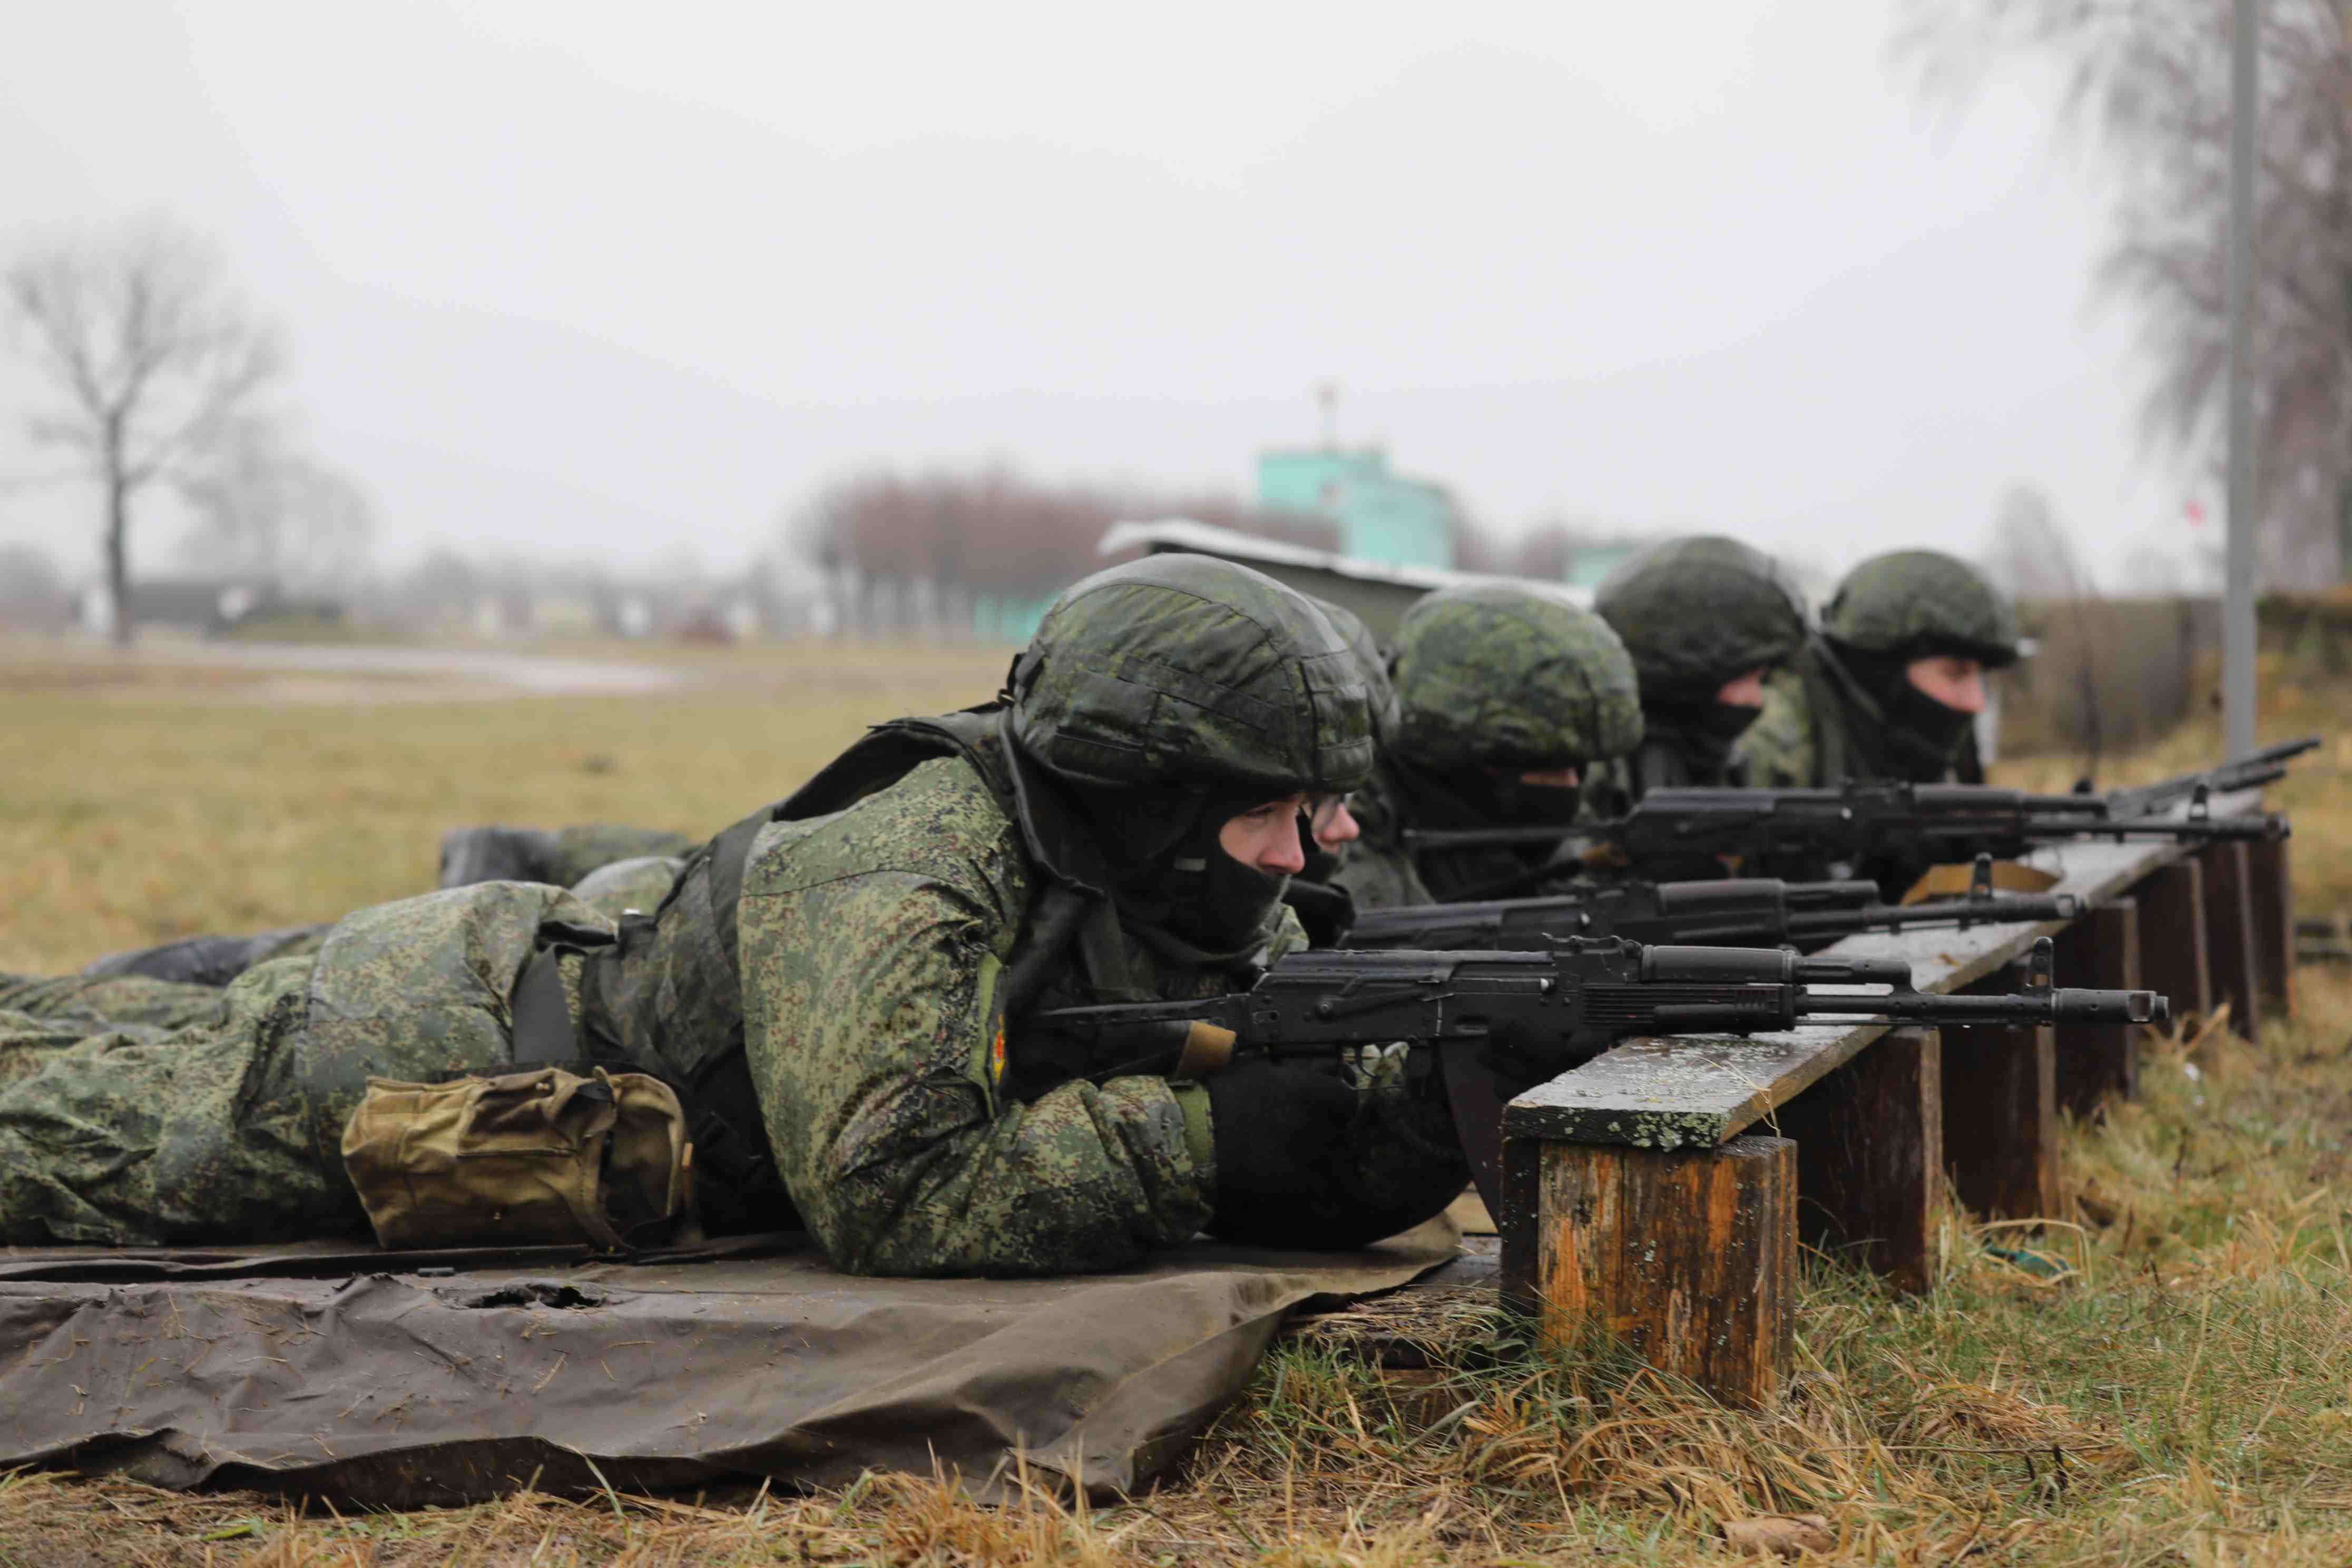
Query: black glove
(1279, 1129)
(1290, 1172)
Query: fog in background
(631, 282)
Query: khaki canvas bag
(526, 1159)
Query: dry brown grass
(2163, 1374)
(141, 801)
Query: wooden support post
(2272, 888)
(2101, 949)
(2230, 931)
(2172, 957)
(1689, 1257)
(2001, 1119)
(1870, 1157)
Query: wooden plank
(1688, 1258)
(2001, 1121)
(2230, 935)
(2172, 939)
(1870, 1157)
(2102, 948)
(2272, 892)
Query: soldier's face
(1266, 838)
(1332, 824)
(1743, 691)
(1957, 683)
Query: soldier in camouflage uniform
(1892, 685)
(1704, 619)
(840, 985)
(1503, 695)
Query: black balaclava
(1699, 729)
(1484, 799)
(1924, 734)
(1175, 884)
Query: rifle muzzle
(2070, 1006)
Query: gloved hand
(1279, 1129)
(1306, 1159)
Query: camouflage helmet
(1358, 637)
(1695, 612)
(1504, 676)
(1914, 603)
(1190, 672)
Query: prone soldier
(1704, 619)
(1504, 696)
(1892, 685)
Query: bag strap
(544, 1035)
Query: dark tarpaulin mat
(334, 1369)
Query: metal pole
(2237, 597)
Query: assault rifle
(1862, 823)
(2251, 771)
(1497, 1021)
(1747, 912)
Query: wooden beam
(2230, 931)
(2001, 1121)
(1689, 1257)
(2172, 946)
(1870, 1157)
(2102, 948)
(2272, 886)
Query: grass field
(2161, 1374)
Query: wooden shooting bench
(1660, 1193)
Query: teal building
(1382, 516)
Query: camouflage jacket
(858, 975)
(873, 941)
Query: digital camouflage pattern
(1805, 731)
(1509, 678)
(878, 1067)
(1367, 649)
(1694, 613)
(1187, 671)
(1920, 602)
(225, 1123)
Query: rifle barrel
(2057, 1005)
(2001, 909)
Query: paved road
(526, 673)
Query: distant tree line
(963, 552)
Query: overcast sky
(633, 278)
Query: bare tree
(149, 356)
(265, 509)
(2151, 79)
